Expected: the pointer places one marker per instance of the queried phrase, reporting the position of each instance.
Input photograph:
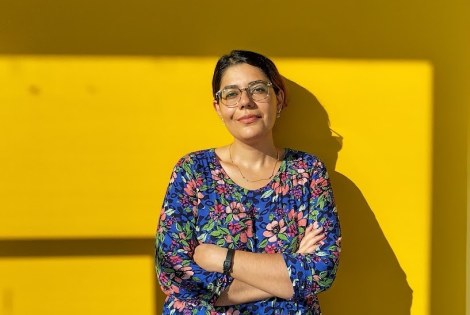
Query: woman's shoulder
(303, 159)
(194, 158)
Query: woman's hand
(210, 257)
(313, 238)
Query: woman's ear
(216, 105)
(280, 96)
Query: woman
(247, 228)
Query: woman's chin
(250, 136)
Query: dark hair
(253, 59)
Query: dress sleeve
(313, 273)
(176, 240)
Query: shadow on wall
(370, 280)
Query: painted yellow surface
(77, 285)
(383, 111)
(88, 144)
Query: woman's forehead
(242, 74)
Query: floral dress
(202, 204)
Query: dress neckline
(281, 169)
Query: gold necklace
(256, 180)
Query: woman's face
(250, 120)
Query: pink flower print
(318, 185)
(172, 289)
(300, 178)
(273, 229)
(173, 177)
(180, 305)
(163, 277)
(199, 181)
(163, 224)
(165, 221)
(301, 221)
(237, 210)
(228, 238)
(223, 189)
(301, 164)
(270, 249)
(292, 230)
(218, 209)
(281, 189)
(292, 214)
(181, 273)
(298, 216)
(219, 176)
(191, 189)
(166, 288)
(218, 212)
(234, 227)
(231, 311)
(175, 260)
(247, 232)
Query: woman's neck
(253, 156)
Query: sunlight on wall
(88, 145)
(77, 285)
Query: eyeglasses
(232, 94)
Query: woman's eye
(231, 94)
(260, 89)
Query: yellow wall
(77, 285)
(92, 119)
(91, 142)
(383, 111)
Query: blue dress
(202, 204)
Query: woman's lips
(248, 119)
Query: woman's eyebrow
(230, 86)
(256, 81)
(236, 86)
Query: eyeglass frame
(219, 97)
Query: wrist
(228, 262)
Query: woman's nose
(245, 100)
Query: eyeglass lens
(257, 92)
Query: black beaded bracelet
(228, 262)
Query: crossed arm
(256, 276)
(193, 272)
